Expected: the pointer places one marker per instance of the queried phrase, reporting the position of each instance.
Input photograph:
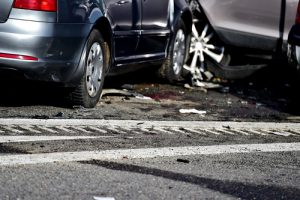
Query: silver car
(234, 37)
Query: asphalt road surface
(136, 144)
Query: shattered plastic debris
(225, 89)
(244, 102)
(125, 93)
(192, 111)
(104, 198)
(143, 97)
(258, 105)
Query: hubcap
(179, 51)
(94, 69)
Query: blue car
(78, 42)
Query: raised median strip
(25, 159)
(98, 127)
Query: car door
(126, 22)
(154, 29)
(249, 23)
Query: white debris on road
(192, 111)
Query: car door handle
(122, 2)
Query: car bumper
(57, 47)
(294, 46)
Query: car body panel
(246, 19)
(126, 23)
(155, 28)
(252, 24)
(58, 39)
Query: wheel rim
(200, 46)
(94, 69)
(179, 52)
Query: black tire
(167, 70)
(81, 95)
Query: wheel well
(104, 27)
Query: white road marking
(149, 124)
(80, 129)
(194, 131)
(281, 133)
(10, 139)
(241, 132)
(97, 129)
(65, 129)
(225, 131)
(47, 129)
(29, 128)
(212, 132)
(24, 159)
(72, 126)
(256, 132)
(12, 129)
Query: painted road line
(65, 129)
(11, 139)
(73, 126)
(212, 131)
(198, 132)
(149, 124)
(81, 129)
(23, 159)
(30, 129)
(47, 129)
(12, 128)
(257, 132)
(241, 132)
(101, 130)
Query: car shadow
(275, 87)
(16, 92)
(234, 188)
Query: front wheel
(172, 69)
(87, 92)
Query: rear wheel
(87, 92)
(172, 68)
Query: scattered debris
(183, 160)
(225, 89)
(104, 198)
(143, 97)
(79, 107)
(116, 92)
(240, 92)
(127, 87)
(244, 102)
(60, 114)
(192, 111)
(227, 127)
(258, 105)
